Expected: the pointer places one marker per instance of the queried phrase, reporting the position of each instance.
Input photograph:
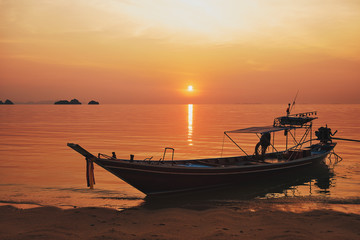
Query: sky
(150, 51)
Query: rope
(222, 149)
(236, 143)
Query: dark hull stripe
(210, 173)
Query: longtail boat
(154, 177)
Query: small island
(7, 102)
(65, 102)
(92, 102)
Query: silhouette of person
(264, 143)
(288, 110)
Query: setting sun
(190, 88)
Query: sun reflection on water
(190, 123)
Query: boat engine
(324, 134)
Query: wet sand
(175, 223)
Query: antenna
(293, 103)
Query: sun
(190, 88)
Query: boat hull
(154, 179)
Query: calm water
(37, 168)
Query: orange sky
(127, 51)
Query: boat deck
(269, 158)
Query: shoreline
(299, 204)
(175, 223)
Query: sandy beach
(174, 223)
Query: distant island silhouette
(74, 102)
(92, 102)
(7, 102)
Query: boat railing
(105, 156)
(173, 152)
(304, 114)
(295, 120)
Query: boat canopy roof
(263, 129)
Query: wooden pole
(235, 143)
(346, 139)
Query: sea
(38, 169)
